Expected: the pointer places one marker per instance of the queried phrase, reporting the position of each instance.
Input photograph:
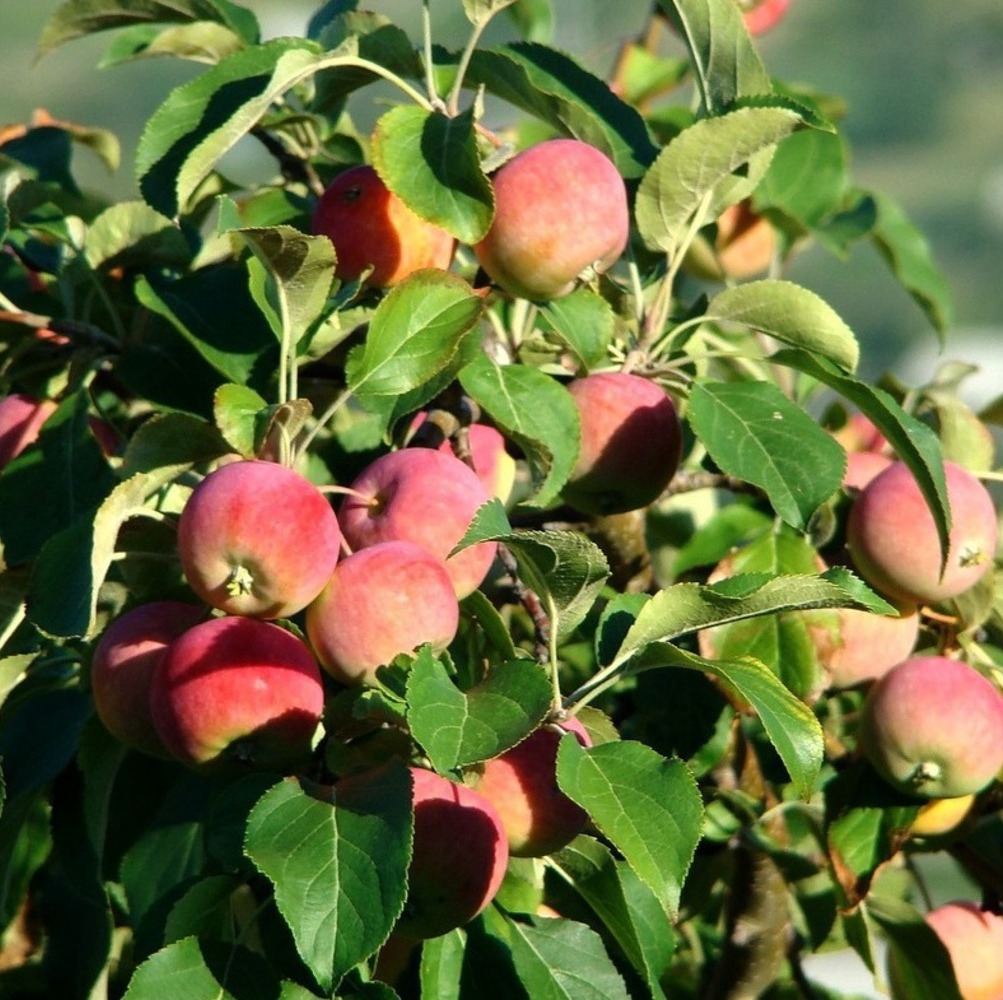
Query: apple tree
(463, 564)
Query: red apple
(933, 727)
(371, 227)
(234, 693)
(867, 645)
(123, 663)
(381, 601)
(21, 419)
(863, 466)
(522, 785)
(422, 496)
(256, 538)
(630, 443)
(762, 15)
(560, 211)
(893, 541)
(974, 940)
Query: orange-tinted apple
(256, 538)
(371, 227)
(560, 212)
(237, 693)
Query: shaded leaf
(131, 234)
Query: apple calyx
(926, 771)
(972, 556)
(241, 582)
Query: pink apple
(123, 663)
(933, 727)
(863, 466)
(560, 211)
(762, 15)
(256, 538)
(381, 601)
(630, 443)
(234, 693)
(21, 419)
(893, 541)
(866, 645)
(522, 785)
(859, 433)
(422, 496)
(371, 227)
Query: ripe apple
(522, 785)
(892, 539)
(371, 227)
(974, 940)
(933, 727)
(863, 466)
(383, 600)
(867, 645)
(234, 693)
(939, 817)
(21, 419)
(123, 663)
(860, 434)
(256, 538)
(630, 443)
(423, 496)
(761, 15)
(560, 211)
(743, 248)
(459, 854)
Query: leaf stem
(453, 103)
(426, 32)
(338, 402)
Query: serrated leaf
(564, 960)
(556, 89)
(907, 253)
(132, 234)
(585, 322)
(692, 180)
(536, 412)
(648, 806)
(629, 910)
(199, 41)
(753, 431)
(168, 444)
(236, 409)
(912, 441)
(792, 727)
(456, 728)
(414, 334)
(339, 871)
(301, 272)
(75, 18)
(791, 314)
(430, 161)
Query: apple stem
(349, 492)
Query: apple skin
(560, 208)
(458, 858)
(423, 496)
(123, 663)
(939, 817)
(863, 466)
(522, 785)
(383, 600)
(234, 694)
(933, 728)
(869, 645)
(21, 419)
(892, 539)
(743, 248)
(860, 434)
(974, 940)
(630, 446)
(763, 16)
(256, 538)
(371, 227)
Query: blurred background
(923, 83)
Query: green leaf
(301, 272)
(536, 412)
(414, 334)
(647, 806)
(753, 431)
(131, 234)
(339, 870)
(554, 88)
(442, 966)
(912, 441)
(481, 11)
(456, 728)
(199, 41)
(237, 409)
(12, 671)
(76, 18)
(203, 910)
(564, 960)
(168, 444)
(792, 727)
(629, 910)
(791, 314)
(908, 254)
(534, 19)
(693, 179)
(563, 568)
(585, 322)
(726, 65)
(430, 161)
